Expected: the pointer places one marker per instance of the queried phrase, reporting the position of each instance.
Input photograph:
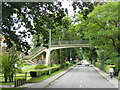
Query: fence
(70, 42)
(20, 82)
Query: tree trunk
(61, 58)
(102, 64)
(12, 77)
(5, 76)
(94, 63)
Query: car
(79, 63)
(87, 64)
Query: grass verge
(39, 79)
(9, 83)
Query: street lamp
(70, 57)
(49, 50)
(15, 71)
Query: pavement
(47, 82)
(114, 81)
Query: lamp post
(15, 71)
(70, 57)
(49, 51)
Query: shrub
(74, 61)
(98, 65)
(119, 75)
(67, 63)
(38, 73)
(116, 70)
(19, 70)
(33, 74)
(106, 68)
(52, 65)
(40, 66)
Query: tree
(45, 15)
(8, 61)
(102, 29)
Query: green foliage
(102, 28)
(51, 65)
(39, 73)
(74, 61)
(8, 61)
(119, 75)
(98, 65)
(67, 63)
(109, 62)
(40, 66)
(45, 16)
(106, 68)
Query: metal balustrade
(69, 42)
(55, 43)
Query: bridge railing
(69, 42)
(33, 52)
(36, 49)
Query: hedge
(98, 65)
(106, 68)
(38, 73)
(40, 66)
(119, 75)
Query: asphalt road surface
(81, 77)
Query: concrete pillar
(47, 57)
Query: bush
(67, 63)
(33, 74)
(106, 68)
(40, 66)
(98, 65)
(19, 70)
(74, 61)
(119, 75)
(116, 69)
(62, 65)
(52, 65)
(39, 73)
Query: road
(81, 77)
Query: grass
(9, 83)
(11, 89)
(28, 68)
(39, 79)
(30, 79)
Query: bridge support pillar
(47, 57)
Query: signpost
(70, 57)
(15, 72)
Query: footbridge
(58, 45)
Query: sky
(65, 4)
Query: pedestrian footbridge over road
(57, 45)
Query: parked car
(79, 63)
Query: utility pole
(70, 57)
(49, 51)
